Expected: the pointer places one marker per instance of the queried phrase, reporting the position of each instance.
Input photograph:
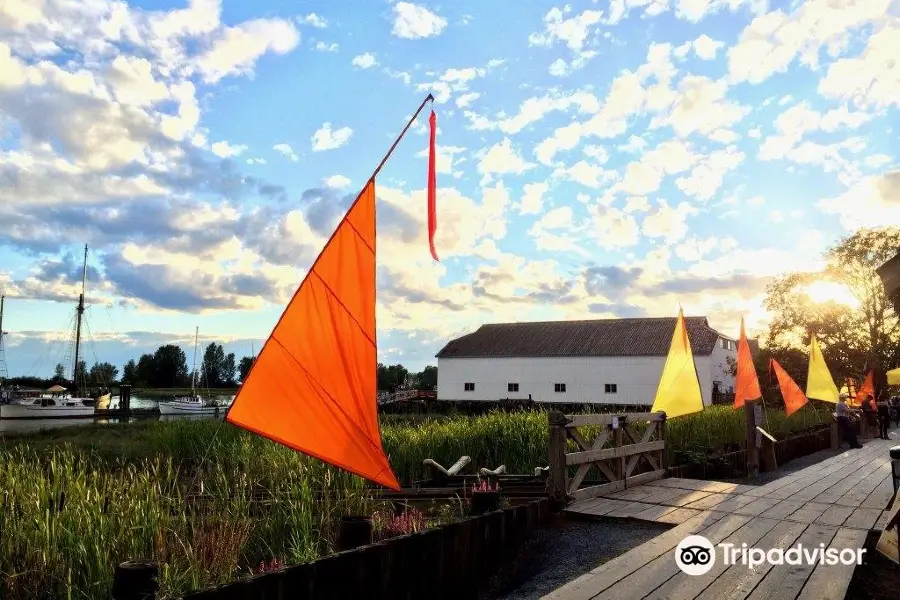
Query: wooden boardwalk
(835, 502)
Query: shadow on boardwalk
(575, 545)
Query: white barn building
(602, 361)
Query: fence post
(617, 441)
(559, 481)
(664, 455)
(135, 580)
(752, 453)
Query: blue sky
(596, 159)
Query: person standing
(884, 418)
(842, 414)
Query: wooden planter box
(442, 563)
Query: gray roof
(596, 337)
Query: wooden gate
(614, 452)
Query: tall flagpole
(390, 151)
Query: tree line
(167, 367)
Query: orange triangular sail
(867, 388)
(794, 398)
(746, 384)
(313, 386)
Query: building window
(512, 387)
(611, 388)
(728, 344)
(470, 387)
(559, 388)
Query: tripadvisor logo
(696, 555)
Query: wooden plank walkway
(835, 502)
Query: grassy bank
(77, 500)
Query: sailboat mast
(194, 368)
(3, 372)
(80, 313)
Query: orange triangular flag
(746, 384)
(867, 388)
(313, 386)
(794, 398)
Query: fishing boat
(193, 403)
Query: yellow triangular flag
(819, 383)
(679, 388)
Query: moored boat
(193, 403)
(45, 407)
(190, 405)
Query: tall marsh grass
(77, 501)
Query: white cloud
(338, 182)
(871, 80)
(772, 41)
(286, 150)
(467, 99)
(667, 222)
(364, 61)
(225, 150)
(502, 159)
(314, 20)
(325, 47)
(614, 228)
(256, 161)
(412, 21)
(561, 68)
(872, 202)
(326, 138)
(532, 198)
(572, 31)
(236, 49)
(706, 48)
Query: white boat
(194, 403)
(190, 405)
(25, 404)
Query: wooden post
(752, 452)
(135, 580)
(619, 464)
(664, 454)
(559, 481)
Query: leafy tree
(852, 337)
(214, 364)
(145, 374)
(229, 370)
(103, 373)
(170, 366)
(59, 372)
(392, 378)
(130, 372)
(81, 373)
(427, 378)
(244, 367)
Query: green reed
(76, 502)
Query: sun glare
(822, 292)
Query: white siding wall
(719, 370)
(636, 378)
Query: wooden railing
(614, 452)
